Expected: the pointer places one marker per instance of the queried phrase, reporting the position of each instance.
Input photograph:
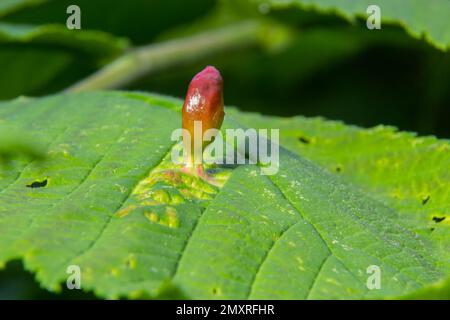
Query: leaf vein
(109, 218)
(252, 283)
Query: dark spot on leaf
(438, 219)
(38, 184)
(338, 169)
(214, 291)
(431, 229)
(303, 140)
(425, 200)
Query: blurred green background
(307, 62)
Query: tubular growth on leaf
(203, 103)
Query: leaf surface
(114, 204)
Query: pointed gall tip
(209, 72)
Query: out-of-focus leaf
(48, 57)
(419, 18)
(138, 20)
(95, 43)
(31, 57)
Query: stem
(152, 58)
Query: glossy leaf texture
(109, 199)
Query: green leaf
(106, 46)
(406, 172)
(31, 57)
(9, 6)
(115, 205)
(420, 19)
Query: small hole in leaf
(38, 184)
(303, 140)
(425, 200)
(438, 219)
